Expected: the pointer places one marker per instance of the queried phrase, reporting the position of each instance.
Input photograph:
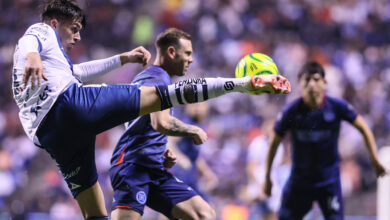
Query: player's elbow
(160, 125)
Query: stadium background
(350, 38)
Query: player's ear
(171, 52)
(53, 22)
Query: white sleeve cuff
(94, 69)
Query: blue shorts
(189, 177)
(69, 130)
(298, 200)
(136, 186)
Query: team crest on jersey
(141, 197)
(329, 116)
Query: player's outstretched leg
(202, 89)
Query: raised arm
(275, 140)
(166, 124)
(30, 48)
(94, 69)
(369, 140)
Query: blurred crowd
(350, 38)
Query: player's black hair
(170, 37)
(311, 67)
(63, 11)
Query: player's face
(313, 85)
(183, 57)
(69, 34)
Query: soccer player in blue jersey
(63, 116)
(137, 171)
(314, 124)
(190, 165)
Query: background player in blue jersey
(314, 124)
(63, 116)
(191, 166)
(137, 171)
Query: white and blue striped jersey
(35, 103)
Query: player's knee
(206, 214)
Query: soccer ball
(256, 64)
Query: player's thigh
(96, 108)
(166, 192)
(149, 100)
(296, 202)
(125, 214)
(193, 208)
(331, 201)
(91, 202)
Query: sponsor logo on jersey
(72, 174)
(178, 180)
(313, 135)
(141, 197)
(73, 186)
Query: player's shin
(199, 90)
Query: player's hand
(199, 137)
(34, 69)
(169, 159)
(380, 170)
(137, 55)
(267, 187)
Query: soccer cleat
(273, 84)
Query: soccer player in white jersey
(62, 116)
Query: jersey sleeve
(29, 44)
(94, 69)
(283, 121)
(346, 111)
(42, 32)
(154, 79)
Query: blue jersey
(314, 135)
(141, 144)
(189, 149)
(187, 146)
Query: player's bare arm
(165, 123)
(369, 140)
(274, 143)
